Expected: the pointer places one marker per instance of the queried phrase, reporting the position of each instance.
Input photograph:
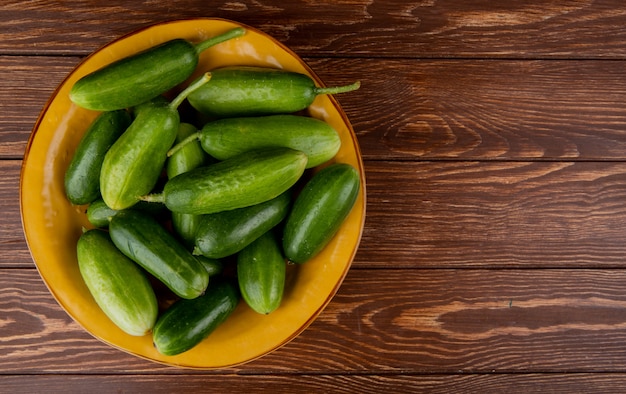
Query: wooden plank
(494, 214)
(458, 28)
(444, 214)
(292, 384)
(422, 321)
(13, 249)
(505, 110)
(24, 94)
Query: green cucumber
(319, 210)
(244, 180)
(99, 214)
(225, 233)
(185, 159)
(225, 138)
(188, 322)
(252, 91)
(142, 239)
(133, 165)
(82, 177)
(261, 271)
(213, 266)
(117, 284)
(140, 77)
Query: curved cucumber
(225, 233)
(319, 210)
(261, 271)
(132, 166)
(252, 91)
(225, 138)
(140, 77)
(188, 322)
(118, 285)
(244, 180)
(142, 239)
(82, 178)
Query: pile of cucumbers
(176, 204)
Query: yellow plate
(52, 225)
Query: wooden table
(493, 254)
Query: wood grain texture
(495, 214)
(13, 248)
(380, 322)
(340, 384)
(24, 91)
(418, 29)
(413, 110)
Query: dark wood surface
(493, 254)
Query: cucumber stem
(338, 89)
(206, 44)
(191, 88)
(155, 197)
(182, 143)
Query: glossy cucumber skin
(188, 322)
(225, 233)
(142, 239)
(187, 158)
(82, 177)
(132, 166)
(243, 180)
(319, 210)
(252, 91)
(118, 285)
(137, 78)
(261, 271)
(228, 137)
(213, 266)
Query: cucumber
(225, 138)
(319, 210)
(118, 285)
(134, 163)
(188, 322)
(142, 239)
(243, 180)
(99, 214)
(140, 77)
(82, 177)
(252, 91)
(187, 158)
(225, 233)
(261, 271)
(213, 266)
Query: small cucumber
(319, 210)
(132, 166)
(213, 266)
(247, 179)
(99, 214)
(188, 322)
(261, 271)
(185, 159)
(225, 233)
(252, 91)
(142, 239)
(118, 285)
(140, 77)
(225, 138)
(82, 184)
